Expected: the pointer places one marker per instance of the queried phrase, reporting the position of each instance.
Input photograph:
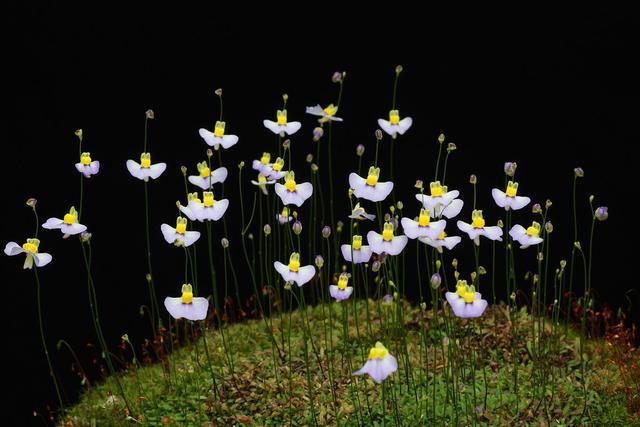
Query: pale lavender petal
(396, 245)
(190, 237)
(168, 232)
(73, 229)
(188, 212)
(517, 231)
(315, 110)
(493, 233)
(452, 209)
(404, 125)
(199, 181)
(53, 223)
(304, 190)
(135, 169)
(428, 202)
(411, 228)
(228, 141)
(356, 182)
(42, 258)
(387, 127)
(12, 248)
(500, 197)
(219, 175)
(451, 297)
(305, 274)
(209, 137)
(363, 255)
(292, 127)
(519, 202)
(197, 310)
(375, 242)
(94, 167)
(156, 170)
(346, 252)
(257, 165)
(272, 126)
(450, 242)
(282, 269)
(80, 168)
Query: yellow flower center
(193, 197)
(290, 181)
(437, 190)
(394, 117)
(331, 110)
(219, 129)
(512, 189)
(342, 281)
(285, 212)
(378, 352)
(356, 244)
(85, 159)
(425, 218)
(266, 158)
(466, 292)
(31, 247)
(187, 294)
(387, 232)
(372, 177)
(442, 236)
(534, 230)
(207, 198)
(181, 225)
(282, 117)
(262, 179)
(294, 262)
(477, 220)
(69, 219)
(277, 166)
(205, 172)
(145, 160)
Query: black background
(549, 90)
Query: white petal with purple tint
(359, 255)
(197, 310)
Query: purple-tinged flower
(293, 272)
(386, 242)
(318, 132)
(436, 280)
(441, 201)
(394, 125)
(361, 253)
(341, 291)
(579, 173)
(281, 126)
(602, 213)
(379, 365)
(30, 249)
(179, 235)
(145, 170)
(206, 177)
(291, 193)
(326, 231)
(423, 226)
(526, 237)
(284, 217)
(326, 114)
(465, 301)
(509, 199)
(477, 228)
(86, 166)
(217, 138)
(187, 306)
(369, 188)
(69, 225)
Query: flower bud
(387, 298)
(286, 144)
(287, 285)
(387, 217)
(209, 152)
(399, 205)
(419, 184)
(473, 179)
(32, 202)
(149, 114)
(602, 213)
(336, 77)
(78, 133)
(314, 167)
(378, 134)
(438, 265)
(285, 97)
(454, 263)
(148, 277)
(326, 231)
(250, 236)
(319, 261)
(536, 208)
(548, 226)
(456, 274)
(473, 276)
(309, 158)
(578, 172)
(500, 223)
(512, 296)
(399, 69)
(482, 270)
(183, 169)
(317, 133)
(548, 204)
(451, 147)
(375, 266)
(359, 150)
(224, 242)
(436, 280)
(563, 264)
(297, 227)
(339, 226)
(85, 236)
(591, 197)
(540, 256)
(423, 306)
(218, 91)
(441, 138)
(266, 229)
(510, 168)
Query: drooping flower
(386, 242)
(281, 126)
(465, 301)
(442, 240)
(341, 291)
(187, 306)
(217, 138)
(369, 188)
(206, 178)
(526, 237)
(86, 166)
(212, 210)
(30, 249)
(361, 253)
(326, 114)
(358, 212)
(179, 235)
(441, 201)
(477, 228)
(379, 365)
(293, 272)
(145, 170)
(262, 183)
(423, 227)
(509, 199)
(284, 217)
(291, 193)
(394, 125)
(68, 225)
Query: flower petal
(209, 137)
(387, 127)
(12, 248)
(135, 169)
(190, 237)
(452, 209)
(272, 126)
(375, 242)
(404, 125)
(197, 310)
(500, 197)
(493, 233)
(156, 170)
(228, 141)
(305, 274)
(316, 110)
(53, 223)
(292, 127)
(168, 232)
(199, 181)
(519, 202)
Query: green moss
(550, 388)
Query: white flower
(145, 170)
(465, 301)
(370, 188)
(194, 207)
(212, 209)
(361, 253)
(206, 177)
(477, 228)
(379, 365)
(423, 227)
(441, 202)
(526, 237)
(262, 183)
(31, 250)
(217, 138)
(326, 114)
(281, 126)
(265, 160)
(341, 291)
(187, 306)
(179, 235)
(68, 225)
(510, 199)
(394, 125)
(293, 272)
(359, 213)
(442, 240)
(86, 166)
(386, 242)
(284, 217)
(291, 193)
(272, 171)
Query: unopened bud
(218, 91)
(577, 245)
(540, 256)
(319, 261)
(419, 184)
(297, 227)
(148, 277)
(149, 114)
(602, 213)
(339, 226)
(423, 306)
(482, 270)
(454, 263)
(536, 208)
(286, 144)
(500, 223)
(548, 226)
(473, 276)
(336, 77)
(441, 138)
(378, 134)
(287, 285)
(309, 158)
(591, 197)
(78, 133)
(224, 242)
(85, 236)
(314, 167)
(436, 280)
(578, 172)
(266, 229)
(563, 264)
(513, 296)
(209, 152)
(399, 205)
(32, 202)
(317, 133)
(326, 231)
(456, 274)
(285, 97)
(451, 147)
(250, 236)
(359, 150)
(399, 69)
(510, 168)
(241, 165)
(375, 266)
(473, 179)
(438, 265)
(548, 204)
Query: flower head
(179, 235)
(86, 166)
(206, 177)
(440, 201)
(380, 364)
(441, 241)
(284, 216)
(477, 228)
(423, 226)
(509, 199)
(326, 114)
(30, 249)
(292, 193)
(293, 272)
(465, 301)
(358, 212)
(187, 306)
(361, 253)
(218, 138)
(281, 126)
(145, 170)
(386, 242)
(370, 188)
(341, 291)
(394, 125)
(262, 183)
(68, 224)
(526, 237)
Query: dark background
(549, 90)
